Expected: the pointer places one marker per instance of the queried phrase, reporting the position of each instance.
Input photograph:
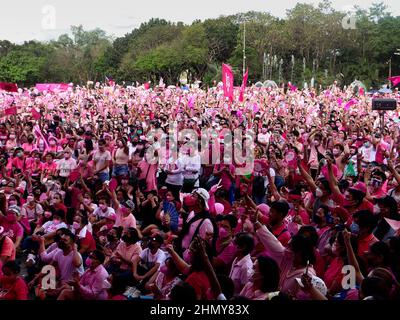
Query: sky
(45, 20)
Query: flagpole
(244, 47)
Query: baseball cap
(203, 193)
(359, 186)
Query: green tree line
(309, 42)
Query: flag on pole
(395, 80)
(10, 111)
(227, 80)
(10, 87)
(35, 114)
(243, 87)
(110, 81)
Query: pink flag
(35, 114)
(191, 102)
(227, 79)
(52, 86)
(10, 111)
(39, 134)
(243, 87)
(394, 224)
(352, 102)
(395, 80)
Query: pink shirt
(93, 284)
(128, 252)
(151, 176)
(126, 222)
(334, 272)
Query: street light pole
(244, 48)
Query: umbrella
(259, 84)
(270, 84)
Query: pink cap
(112, 217)
(219, 208)
(264, 208)
(360, 186)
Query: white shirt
(101, 214)
(150, 260)
(66, 166)
(241, 272)
(191, 163)
(176, 167)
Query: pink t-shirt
(125, 222)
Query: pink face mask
(76, 225)
(88, 262)
(223, 233)
(47, 214)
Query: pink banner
(227, 79)
(395, 80)
(243, 87)
(52, 87)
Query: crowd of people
(315, 218)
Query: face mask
(336, 152)
(47, 214)
(56, 221)
(30, 199)
(316, 143)
(110, 237)
(355, 228)
(86, 201)
(76, 225)
(367, 144)
(12, 203)
(12, 137)
(52, 143)
(164, 269)
(264, 130)
(67, 156)
(88, 262)
(103, 207)
(189, 201)
(20, 154)
(319, 193)
(223, 233)
(377, 209)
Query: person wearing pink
(198, 221)
(92, 285)
(226, 249)
(11, 226)
(125, 218)
(66, 256)
(53, 146)
(30, 145)
(127, 252)
(7, 248)
(293, 261)
(147, 171)
(49, 168)
(365, 222)
(264, 282)
(12, 286)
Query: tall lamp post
(244, 47)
